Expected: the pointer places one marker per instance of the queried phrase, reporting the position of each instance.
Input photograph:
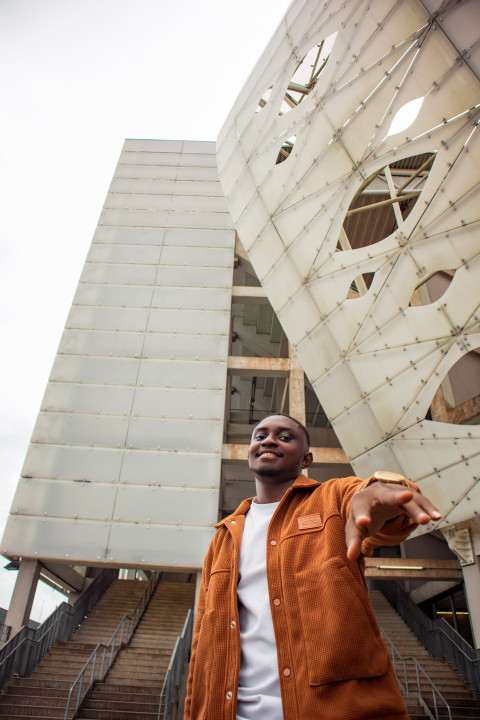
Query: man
(285, 630)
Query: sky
(78, 78)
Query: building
(356, 263)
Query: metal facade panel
(202, 238)
(69, 540)
(112, 295)
(178, 402)
(186, 275)
(168, 146)
(97, 399)
(192, 188)
(182, 546)
(64, 499)
(161, 505)
(207, 322)
(118, 274)
(94, 369)
(179, 469)
(144, 218)
(182, 347)
(192, 298)
(91, 464)
(124, 463)
(101, 342)
(175, 434)
(120, 235)
(183, 373)
(131, 254)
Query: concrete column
(23, 595)
(296, 391)
(471, 577)
(296, 388)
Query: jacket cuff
(394, 531)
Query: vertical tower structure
(124, 462)
(370, 111)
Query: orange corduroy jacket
(332, 661)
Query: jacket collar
(301, 482)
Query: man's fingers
(379, 503)
(354, 549)
(363, 504)
(354, 538)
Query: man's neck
(269, 492)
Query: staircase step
(131, 689)
(96, 714)
(138, 705)
(15, 710)
(464, 705)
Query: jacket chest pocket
(218, 590)
(342, 639)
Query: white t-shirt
(258, 682)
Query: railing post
(77, 703)
(94, 664)
(103, 662)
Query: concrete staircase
(131, 690)
(463, 703)
(44, 694)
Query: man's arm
(382, 503)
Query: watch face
(387, 476)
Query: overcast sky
(77, 78)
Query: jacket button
(232, 624)
(286, 672)
(276, 602)
(229, 694)
(273, 542)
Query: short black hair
(297, 422)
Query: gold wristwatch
(390, 477)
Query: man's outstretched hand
(378, 503)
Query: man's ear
(307, 460)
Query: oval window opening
(286, 149)
(405, 117)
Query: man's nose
(269, 440)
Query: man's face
(278, 450)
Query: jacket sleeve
(196, 631)
(392, 533)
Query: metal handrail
(4, 632)
(449, 632)
(440, 639)
(21, 655)
(418, 669)
(178, 659)
(115, 643)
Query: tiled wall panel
(124, 462)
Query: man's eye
(284, 438)
(259, 437)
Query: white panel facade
(375, 361)
(124, 463)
